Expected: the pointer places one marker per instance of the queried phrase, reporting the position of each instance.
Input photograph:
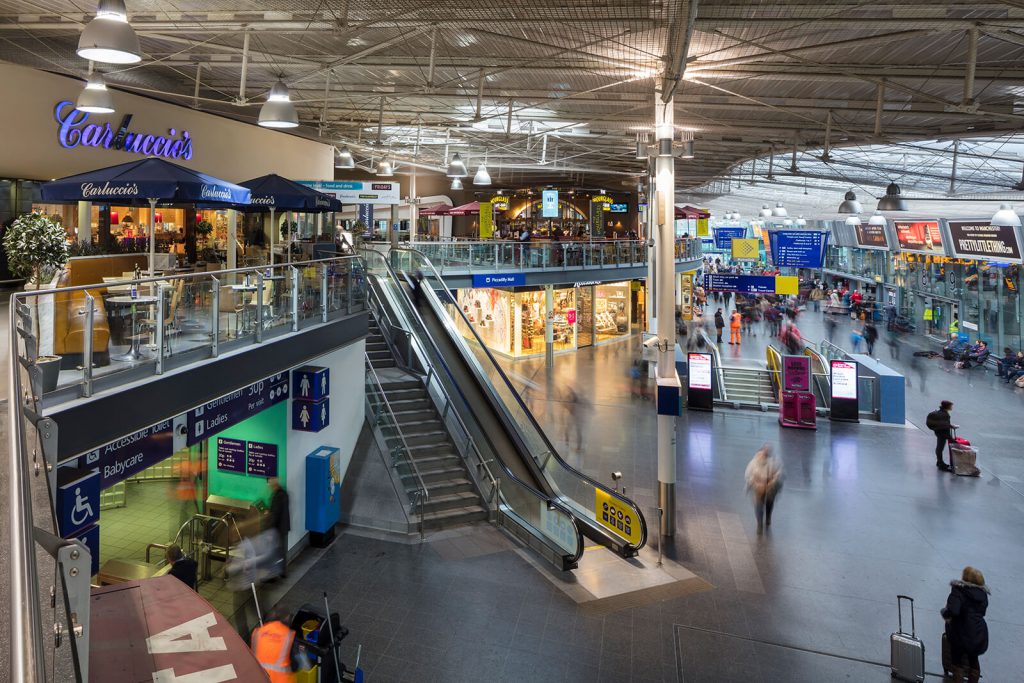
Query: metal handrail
(549, 447)
(421, 492)
(716, 354)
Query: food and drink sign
(982, 240)
(357, 191)
(919, 237)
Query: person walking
(966, 630)
(939, 422)
(830, 328)
(870, 336)
(764, 479)
(719, 324)
(183, 568)
(735, 320)
(280, 521)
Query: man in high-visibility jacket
(272, 645)
(734, 327)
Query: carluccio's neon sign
(75, 131)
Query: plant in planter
(203, 231)
(288, 228)
(36, 248)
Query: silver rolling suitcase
(907, 657)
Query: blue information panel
(798, 248)
(725, 236)
(500, 280)
(78, 499)
(311, 383)
(744, 284)
(131, 454)
(262, 459)
(226, 411)
(231, 455)
(311, 417)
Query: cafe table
(135, 353)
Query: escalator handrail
(550, 501)
(717, 355)
(533, 422)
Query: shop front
(511, 321)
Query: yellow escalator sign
(617, 516)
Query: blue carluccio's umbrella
(149, 181)
(273, 192)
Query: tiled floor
(864, 515)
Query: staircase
(748, 387)
(452, 498)
(377, 348)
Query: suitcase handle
(899, 610)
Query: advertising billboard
(549, 204)
(871, 236)
(699, 376)
(844, 379)
(919, 237)
(980, 239)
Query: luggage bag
(907, 651)
(963, 458)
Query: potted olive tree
(204, 229)
(36, 248)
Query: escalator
(819, 378)
(488, 397)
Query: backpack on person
(935, 420)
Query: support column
(549, 325)
(85, 222)
(392, 223)
(649, 229)
(414, 202)
(232, 239)
(664, 251)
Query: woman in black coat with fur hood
(966, 629)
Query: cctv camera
(651, 343)
(616, 476)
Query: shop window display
(611, 311)
(489, 311)
(531, 308)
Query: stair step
(401, 393)
(419, 428)
(440, 488)
(378, 355)
(448, 518)
(408, 404)
(449, 501)
(414, 416)
(432, 439)
(382, 363)
(402, 384)
(433, 473)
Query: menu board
(699, 376)
(262, 459)
(871, 236)
(844, 380)
(919, 237)
(982, 240)
(798, 248)
(231, 455)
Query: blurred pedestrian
(280, 521)
(764, 479)
(735, 321)
(870, 336)
(830, 328)
(719, 325)
(183, 568)
(939, 422)
(966, 631)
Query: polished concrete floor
(864, 515)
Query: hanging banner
(798, 248)
(366, 215)
(745, 249)
(919, 237)
(486, 220)
(597, 220)
(686, 295)
(725, 235)
(549, 204)
(703, 227)
(982, 240)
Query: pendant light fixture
(482, 177)
(892, 201)
(850, 204)
(456, 167)
(95, 98)
(384, 169)
(278, 111)
(1006, 217)
(853, 221)
(801, 222)
(779, 211)
(877, 219)
(109, 38)
(343, 158)
(456, 183)
(641, 146)
(765, 211)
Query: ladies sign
(74, 130)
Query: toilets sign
(311, 405)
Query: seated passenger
(980, 353)
(1006, 363)
(1017, 370)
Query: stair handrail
(716, 354)
(498, 490)
(421, 491)
(548, 446)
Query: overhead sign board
(919, 236)
(132, 453)
(745, 249)
(357, 191)
(798, 248)
(229, 410)
(871, 236)
(725, 235)
(500, 280)
(751, 284)
(981, 240)
(549, 204)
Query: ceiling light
(95, 98)
(892, 201)
(343, 158)
(384, 169)
(109, 38)
(779, 211)
(853, 220)
(482, 177)
(801, 222)
(278, 111)
(456, 183)
(641, 148)
(877, 219)
(787, 222)
(765, 211)
(456, 167)
(1006, 217)
(850, 204)
(687, 152)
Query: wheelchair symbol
(82, 510)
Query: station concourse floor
(864, 515)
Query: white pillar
(85, 222)
(649, 229)
(413, 206)
(549, 325)
(664, 246)
(232, 246)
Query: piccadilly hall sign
(74, 130)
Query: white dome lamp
(1006, 217)
(878, 220)
(456, 167)
(278, 111)
(95, 98)
(779, 211)
(801, 222)
(109, 38)
(456, 183)
(765, 211)
(787, 222)
(853, 221)
(344, 158)
(482, 177)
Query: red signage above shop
(920, 237)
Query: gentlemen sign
(229, 410)
(74, 130)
